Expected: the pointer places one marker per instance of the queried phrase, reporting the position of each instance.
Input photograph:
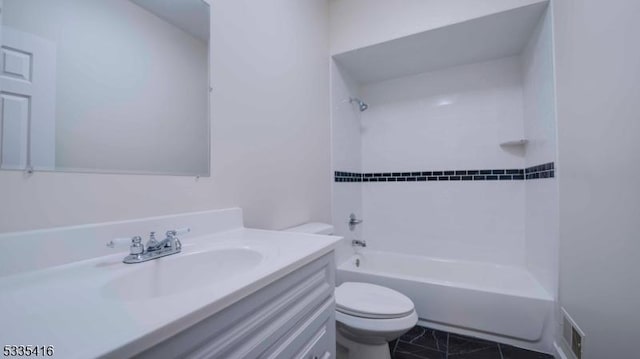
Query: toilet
(368, 316)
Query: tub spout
(358, 243)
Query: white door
(27, 101)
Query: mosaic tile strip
(546, 170)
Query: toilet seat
(378, 325)
(370, 301)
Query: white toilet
(368, 316)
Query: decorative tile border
(347, 177)
(541, 171)
(546, 170)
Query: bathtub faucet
(358, 243)
(353, 222)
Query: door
(27, 101)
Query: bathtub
(475, 297)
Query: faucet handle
(135, 244)
(353, 221)
(179, 231)
(174, 242)
(119, 242)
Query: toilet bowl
(368, 316)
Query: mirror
(111, 86)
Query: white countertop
(68, 306)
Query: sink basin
(182, 272)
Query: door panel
(27, 90)
(17, 64)
(15, 125)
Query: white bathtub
(474, 297)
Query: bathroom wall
(598, 87)
(270, 134)
(85, 77)
(541, 210)
(359, 23)
(451, 119)
(346, 154)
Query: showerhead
(361, 105)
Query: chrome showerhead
(361, 105)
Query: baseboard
(559, 353)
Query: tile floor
(425, 343)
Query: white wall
(270, 135)
(541, 218)
(131, 89)
(451, 119)
(541, 195)
(345, 122)
(598, 87)
(359, 23)
(346, 148)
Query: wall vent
(572, 335)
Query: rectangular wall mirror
(106, 86)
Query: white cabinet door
(291, 318)
(27, 100)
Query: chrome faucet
(152, 242)
(353, 221)
(155, 249)
(358, 243)
(170, 242)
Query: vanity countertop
(95, 307)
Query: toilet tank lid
(312, 228)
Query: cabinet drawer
(322, 344)
(314, 336)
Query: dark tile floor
(425, 343)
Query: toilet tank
(312, 228)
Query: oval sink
(182, 272)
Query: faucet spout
(167, 242)
(358, 243)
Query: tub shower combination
(484, 298)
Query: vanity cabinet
(292, 317)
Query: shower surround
(454, 165)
